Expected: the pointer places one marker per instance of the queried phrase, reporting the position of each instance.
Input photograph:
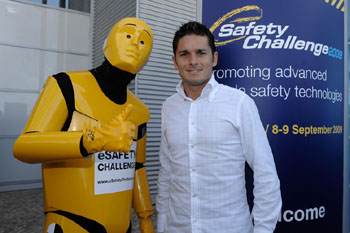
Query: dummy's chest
(90, 100)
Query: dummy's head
(129, 45)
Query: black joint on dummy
(67, 90)
(141, 131)
(138, 166)
(83, 151)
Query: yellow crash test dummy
(89, 132)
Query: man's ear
(215, 58)
(174, 60)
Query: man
(209, 131)
(80, 123)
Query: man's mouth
(193, 71)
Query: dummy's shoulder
(140, 107)
(133, 99)
(74, 77)
(79, 76)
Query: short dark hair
(193, 28)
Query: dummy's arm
(141, 200)
(42, 138)
(52, 146)
(116, 136)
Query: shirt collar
(208, 91)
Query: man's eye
(128, 36)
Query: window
(78, 5)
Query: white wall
(35, 41)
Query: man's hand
(116, 136)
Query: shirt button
(192, 145)
(194, 195)
(194, 170)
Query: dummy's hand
(116, 136)
(146, 226)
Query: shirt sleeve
(162, 199)
(267, 195)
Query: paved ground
(22, 212)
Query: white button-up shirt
(205, 144)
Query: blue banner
(289, 57)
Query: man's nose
(193, 59)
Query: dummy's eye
(128, 36)
(141, 42)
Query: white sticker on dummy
(114, 172)
(51, 228)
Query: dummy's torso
(97, 190)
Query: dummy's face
(129, 45)
(194, 60)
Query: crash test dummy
(89, 132)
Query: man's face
(194, 60)
(129, 45)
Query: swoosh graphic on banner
(236, 12)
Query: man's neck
(193, 92)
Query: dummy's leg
(64, 222)
(55, 223)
